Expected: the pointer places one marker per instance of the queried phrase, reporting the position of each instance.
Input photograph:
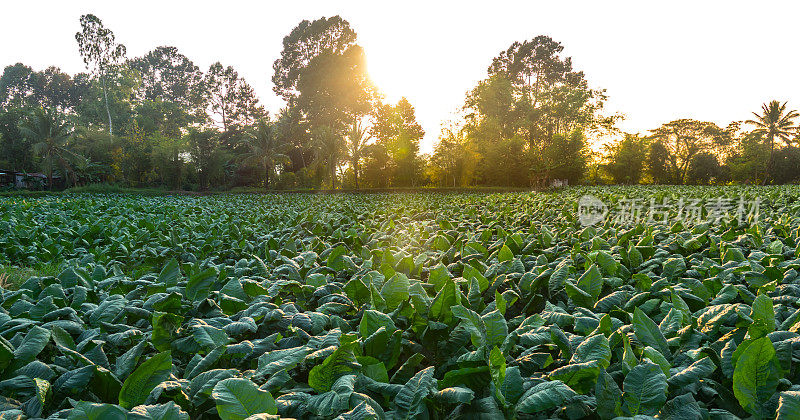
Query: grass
(12, 276)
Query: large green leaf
(591, 282)
(32, 344)
(755, 377)
(147, 376)
(595, 348)
(410, 400)
(200, 283)
(648, 332)
(789, 405)
(238, 399)
(763, 317)
(545, 397)
(372, 320)
(473, 322)
(341, 362)
(608, 397)
(698, 370)
(85, 410)
(396, 290)
(644, 390)
(169, 274)
(167, 411)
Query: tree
(565, 158)
(170, 91)
(658, 163)
(16, 87)
(21, 87)
(357, 138)
(749, 160)
(307, 41)
(774, 122)
(232, 102)
(266, 150)
(625, 159)
(787, 160)
(533, 94)
(293, 131)
(167, 158)
(550, 97)
(329, 151)
(452, 162)
(132, 156)
(322, 76)
(703, 168)
(377, 163)
(100, 53)
(684, 138)
(15, 149)
(397, 129)
(50, 135)
(204, 148)
(335, 89)
(168, 75)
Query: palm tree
(50, 135)
(774, 122)
(266, 150)
(357, 138)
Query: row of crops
(402, 306)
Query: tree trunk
(50, 176)
(333, 176)
(266, 178)
(768, 175)
(355, 172)
(108, 110)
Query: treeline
(160, 120)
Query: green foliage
(238, 399)
(396, 306)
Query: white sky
(709, 60)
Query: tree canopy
(159, 120)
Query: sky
(658, 61)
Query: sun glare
(390, 78)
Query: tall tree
(22, 87)
(625, 159)
(533, 94)
(204, 148)
(357, 138)
(703, 168)
(397, 129)
(322, 76)
(658, 163)
(231, 100)
(170, 91)
(16, 86)
(307, 41)
(265, 150)
(15, 149)
(50, 135)
(334, 89)
(452, 159)
(683, 139)
(329, 146)
(774, 122)
(168, 75)
(100, 53)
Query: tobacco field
(395, 306)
